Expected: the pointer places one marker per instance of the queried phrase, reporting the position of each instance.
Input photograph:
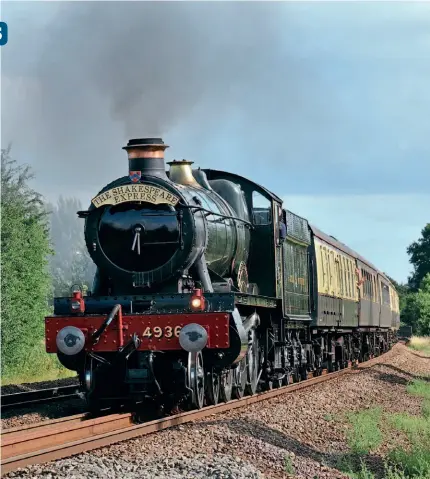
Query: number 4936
(3, 33)
(161, 332)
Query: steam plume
(108, 71)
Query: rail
(28, 398)
(50, 440)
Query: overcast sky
(326, 104)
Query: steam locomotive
(207, 289)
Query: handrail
(117, 309)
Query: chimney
(147, 156)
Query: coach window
(261, 209)
(353, 279)
(367, 285)
(333, 274)
(364, 283)
(342, 275)
(348, 278)
(327, 271)
(345, 277)
(327, 264)
(322, 268)
(345, 264)
(339, 275)
(377, 294)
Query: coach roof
(342, 247)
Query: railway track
(28, 398)
(55, 439)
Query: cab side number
(158, 332)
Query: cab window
(261, 209)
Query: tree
(25, 279)
(417, 308)
(419, 252)
(71, 262)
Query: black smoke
(303, 97)
(103, 72)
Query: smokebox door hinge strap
(136, 240)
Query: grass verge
(366, 434)
(38, 366)
(420, 343)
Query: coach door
(385, 317)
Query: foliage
(365, 434)
(419, 252)
(419, 387)
(415, 462)
(288, 465)
(71, 263)
(426, 409)
(415, 297)
(412, 462)
(420, 343)
(25, 280)
(416, 311)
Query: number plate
(161, 332)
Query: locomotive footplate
(158, 332)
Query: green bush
(25, 279)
